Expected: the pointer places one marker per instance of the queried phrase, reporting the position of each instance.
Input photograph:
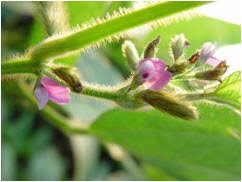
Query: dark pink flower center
(145, 75)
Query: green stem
(84, 37)
(100, 91)
(23, 65)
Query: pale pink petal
(42, 96)
(146, 70)
(60, 99)
(208, 50)
(212, 61)
(158, 64)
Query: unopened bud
(193, 59)
(213, 74)
(178, 44)
(179, 68)
(167, 102)
(150, 50)
(130, 53)
(70, 76)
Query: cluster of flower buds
(151, 74)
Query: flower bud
(131, 54)
(150, 50)
(179, 68)
(70, 76)
(193, 59)
(213, 74)
(166, 102)
(178, 44)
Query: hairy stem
(84, 37)
(105, 92)
(23, 65)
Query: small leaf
(230, 89)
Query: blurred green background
(34, 150)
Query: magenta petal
(42, 96)
(53, 87)
(60, 99)
(159, 65)
(162, 79)
(53, 90)
(212, 61)
(48, 81)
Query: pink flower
(152, 74)
(49, 89)
(207, 54)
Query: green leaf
(83, 37)
(201, 150)
(230, 88)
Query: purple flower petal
(42, 96)
(152, 73)
(49, 89)
(161, 80)
(212, 61)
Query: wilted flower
(207, 54)
(152, 74)
(48, 88)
